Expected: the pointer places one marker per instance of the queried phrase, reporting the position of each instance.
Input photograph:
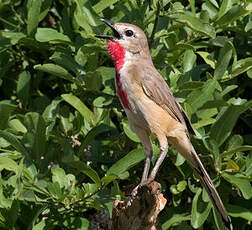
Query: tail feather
(213, 194)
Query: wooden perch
(143, 212)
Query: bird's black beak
(112, 26)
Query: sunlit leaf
(128, 161)
(200, 210)
(50, 35)
(87, 170)
(234, 13)
(176, 218)
(242, 183)
(100, 6)
(238, 211)
(32, 15)
(55, 70)
(223, 60)
(226, 120)
(196, 24)
(78, 105)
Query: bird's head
(126, 38)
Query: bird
(151, 107)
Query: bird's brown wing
(155, 87)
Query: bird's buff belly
(146, 114)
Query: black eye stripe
(129, 33)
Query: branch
(143, 212)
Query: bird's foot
(133, 195)
(135, 191)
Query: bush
(66, 149)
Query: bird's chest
(130, 94)
(124, 90)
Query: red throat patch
(117, 54)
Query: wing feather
(155, 87)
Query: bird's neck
(117, 53)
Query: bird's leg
(144, 176)
(163, 149)
(145, 140)
(148, 154)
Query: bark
(143, 212)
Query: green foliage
(66, 148)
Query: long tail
(209, 186)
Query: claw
(133, 195)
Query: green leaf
(207, 58)
(11, 38)
(129, 132)
(127, 162)
(210, 8)
(108, 178)
(17, 125)
(179, 160)
(215, 3)
(52, 110)
(87, 170)
(199, 97)
(55, 191)
(233, 14)
(23, 87)
(225, 6)
(249, 73)
(223, 60)
(101, 102)
(248, 27)
(30, 196)
(226, 121)
(218, 222)
(51, 36)
(232, 166)
(241, 66)
(189, 60)
(235, 141)
(36, 135)
(83, 16)
(238, 211)
(195, 23)
(178, 188)
(62, 57)
(228, 89)
(80, 223)
(235, 150)
(241, 183)
(59, 175)
(12, 139)
(191, 85)
(40, 226)
(55, 70)
(210, 107)
(101, 5)
(176, 218)
(33, 16)
(97, 130)
(200, 210)
(6, 109)
(78, 105)
(8, 164)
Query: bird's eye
(129, 33)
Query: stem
(7, 22)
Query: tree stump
(143, 212)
